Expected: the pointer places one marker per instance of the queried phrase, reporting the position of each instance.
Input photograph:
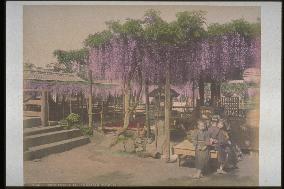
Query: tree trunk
(44, 108)
(147, 104)
(167, 114)
(127, 94)
(48, 108)
(213, 93)
(128, 110)
(123, 100)
(90, 113)
(81, 105)
(193, 94)
(63, 106)
(70, 104)
(201, 92)
(218, 94)
(102, 115)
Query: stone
(129, 146)
(119, 147)
(138, 140)
(139, 149)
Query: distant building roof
(46, 75)
(155, 92)
(252, 75)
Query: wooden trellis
(231, 106)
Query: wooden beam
(70, 104)
(44, 108)
(201, 91)
(147, 109)
(102, 116)
(193, 93)
(167, 113)
(33, 102)
(90, 103)
(48, 110)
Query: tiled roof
(45, 75)
(156, 91)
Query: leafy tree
(73, 61)
(29, 66)
(239, 26)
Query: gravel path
(95, 164)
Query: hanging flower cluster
(120, 53)
(57, 87)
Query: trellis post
(167, 113)
(147, 109)
(44, 108)
(102, 116)
(90, 112)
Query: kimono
(200, 140)
(222, 142)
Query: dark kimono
(221, 146)
(200, 140)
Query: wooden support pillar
(147, 109)
(44, 109)
(201, 91)
(193, 93)
(114, 106)
(218, 94)
(90, 111)
(102, 116)
(167, 113)
(159, 104)
(47, 102)
(63, 106)
(70, 104)
(81, 105)
(213, 94)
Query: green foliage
(86, 130)
(152, 16)
(29, 66)
(73, 119)
(63, 123)
(163, 32)
(131, 28)
(237, 88)
(188, 26)
(67, 58)
(240, 26)
(98, 39)
(191, 24)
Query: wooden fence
(231, 106)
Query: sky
(50, 27)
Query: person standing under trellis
(219, 140)
(200, 141)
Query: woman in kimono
(200, 140)
(219, 140)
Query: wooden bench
(186, 148)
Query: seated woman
(200, 140)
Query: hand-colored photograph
(141, 95)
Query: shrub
(63, 123)
(73, 119)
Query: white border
(270, 110)
(14, 100)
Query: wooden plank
(32, 114)
(33, 102)
(32, 90)
(184, 152)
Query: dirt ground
(95, 164)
